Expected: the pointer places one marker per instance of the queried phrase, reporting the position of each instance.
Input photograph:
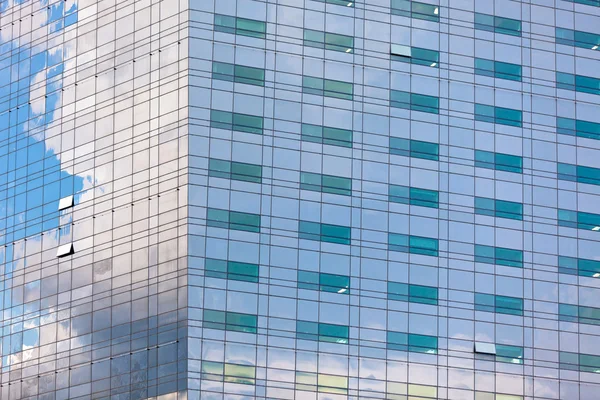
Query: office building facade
(300, 199)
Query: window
(498, 256)
(498, 304)
(579, 266)
(414, 196)
(579, 173)
(585, 40)
(234, 170)
(226, 372)
(578, 83)
(238, 73)
(415, 55)
(236, 122)
(579, 362)
(498, 115)
(327, 88)
(240, 26)
(412, 342)
(496, 24)
(413, 244)
(498, 208)
(229, 321)
(498, 69)
(310, 381)
(579, 128)
(233, 220)
(414, 101)
(345, 3)
(414, 9)
(498, 161)
(412, 293)
(509, 354)
(327, 135)
(579, 314)
(324, 232)
(326, 183)
(328, 41)
(414, 148)
(234, 270)
(579, 220)
(595, 3)
(322, 332)
(324, 282)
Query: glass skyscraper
(300, 199)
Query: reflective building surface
(300, 199)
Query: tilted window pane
(235, 170)
(412, 342)
(578, 173)
(417, 55)
(595, 3)
(327, 88)
(322, 332)
(233, 270)
(414, 148)
(240, 26)
(498, 115)
(413, 244)
(326, 183)
(231, 321)
(580, 128)
(328, 40)
(414, 196)
(324, 282)
(345, 3)
(579, 362)
(498, 161)
(414, 9)
(579, 314)
(579, 266)
(498, 304)
(579, 83)
(237, 122)
(414, 101)
(498, 256)
(243, 374)
(412, 293)
(510, 354)
(579, 220)
(498, 69)
(327, 135)
(491, 23)
(233, 220)
(498, 208)
(585, 40)
(324, 232)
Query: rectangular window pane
(498, 304)
(327, 88)
(414, 101)
(324, 232)
(237, 122)
(319, 331)
(231, 270)
(233, 220)
(578, 173)
(579, 83)
(497, 24)
(235, 170)
(498, 115)
(326, 183)
(415, 9)
(498, 69)
(498, 161)
(498, 208)
(414, 148)
(240, 26)
(230, 321)
(413, 244)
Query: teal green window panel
(579, 314)
(413, 244)
(415, 9)
(414, 196)
(327, 135)
(237, 122)
(491, 23)
(578, 173)
(327, 88)
(323, 282)
(498, 256)
(324, 232)
(240, 26)
(578, 83)
(509, 354)
(498, 115)
(498, 161)
(498, 208)
(414, 148)
(230, 321)
(226, 372)
(345, 3)
(577, 127)
(238, 73)
(233, 270)
(322, 332)
(414, 101)
(412, 342)
(498, 304)
(579, 362)
(579, 220)
(585, 40)
(595, 3)
(419, 56)
(233, 220)
(326, 183)
(328, 41)
(579, 266)
(412, 293)
(498, 69)
(234, 170)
